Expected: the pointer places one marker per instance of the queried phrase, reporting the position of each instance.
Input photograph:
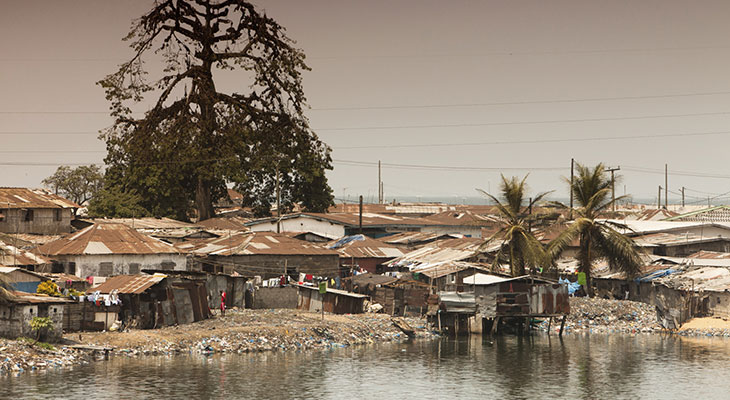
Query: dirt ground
(705, 323)
(253, 330)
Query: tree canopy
(519, 245)
(598, 238)
(78, 184)
(196, 138)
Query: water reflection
(586, 367)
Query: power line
(555, 121)
(451, 144)
(519, 102)
(420, 106)
(442, 125)
(444, 167)
(432, 55)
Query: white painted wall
(302, 224)
(90, 265)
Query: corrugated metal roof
(30, 298)
(225, 224)
(10, 256)
(709, 254)
(460, 218)
(443, 269)
(335, 291)
(486, 279)
(146, 223)
(414, 237)
(361, 246)
(106, 238)
(250, 243)
(672, 239)
(11, 197)
(349, 219)
(128, 284)
(440, 252)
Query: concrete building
(34, 211)
(21, 308)
(111, 249)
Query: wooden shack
(334, 301)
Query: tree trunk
(584, 262)
(203, 202)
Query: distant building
(34, 211)
(111, 249)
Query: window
(57, 214)
(106, 269)
(2, 215)
(134, 268)
(27, 215)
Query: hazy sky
(425, 83)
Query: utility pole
(529, 212)
(380, 184)
(572, 164)
(666, 187)
(361, 214)
(613, 187)
(659, 198)
(682, 196)
(278, 200)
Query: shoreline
(280, 330)
(240, 331)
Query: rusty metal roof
(461, 218)
(439, 252)
(32, 198)
(414, 237)
(250, 243)
(444, 269)
(219, 223)
(361, 246)
(128, 284)
(709, 254)
(146, 223)
(106, 239)
(349, 219)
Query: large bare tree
(195, 138)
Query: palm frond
(619, 250)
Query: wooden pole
(562, 326)
(572, 164)
(360, 224)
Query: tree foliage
(519, 245)
(40, 325)
(598, 238)
(78, 184)
(113, 202)
(196, 138)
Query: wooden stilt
(495, 325)
(562, 325)
(550, 323)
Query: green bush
(49, 288)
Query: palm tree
(598, 239)
(521, 246)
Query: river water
(578, 367)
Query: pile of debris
(595, 315)
(243, 331)
(17, 356)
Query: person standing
(223, 303)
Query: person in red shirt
(223, 303)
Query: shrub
(48, 288)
